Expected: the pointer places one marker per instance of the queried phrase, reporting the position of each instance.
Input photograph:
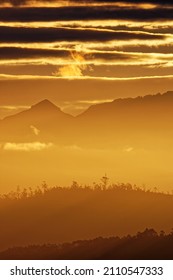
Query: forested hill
(146, 245)
(58, 215)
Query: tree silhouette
(104, 181)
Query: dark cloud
(22, 2)
(83, 13)
(13, 2)
(20, 53)
(160, 2)
(167, 29)
(138, 48)
(105, 56)
(26, 53)
(164, 49)
(31, 35)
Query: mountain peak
(45, 105)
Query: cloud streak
(83, 2)
(14, 2)
(26, 147)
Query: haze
(77, 54)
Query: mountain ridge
(129, 101)
(46, 104)
(124, 122)
(40, 107)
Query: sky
(78, 53)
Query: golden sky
(76, 54)
(84, 51)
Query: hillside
(146, 245)
(58, 215)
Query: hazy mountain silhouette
(46, 105)
(43, 121)
(123, 111)
(141, 122)
(151, 103)
(128, 121)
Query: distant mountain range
(130, 121)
